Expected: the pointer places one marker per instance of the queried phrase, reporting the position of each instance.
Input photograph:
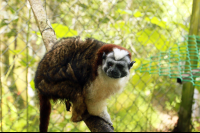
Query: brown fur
(63, 73)
(44, 115)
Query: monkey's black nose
(114, 74)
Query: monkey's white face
(117, 63)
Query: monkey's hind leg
(45, 110)
(78, 108)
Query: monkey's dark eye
(110, 64)
(120, 66)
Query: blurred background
(149, 102)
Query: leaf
(137, 14)
(23, 63)
(11, 33)
(15, 52)
(104, 20)
(38, 33)
(11, 9)
(156, 21)
(139, 62)
(4, 22)
(32, 84)
(83, 6)
(39, 40)
(63, 31)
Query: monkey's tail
(45, 110)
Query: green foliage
(144, 27)
(18, 118)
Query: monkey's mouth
(114, 76)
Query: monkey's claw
(76, 118)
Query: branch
(44, 25)
(94, 123)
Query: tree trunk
(184, 122)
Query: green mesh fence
(173, 62)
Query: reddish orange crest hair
(107, 48)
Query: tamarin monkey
(85, 73)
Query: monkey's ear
(131, 64)
(104, 55)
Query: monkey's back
(67, 68)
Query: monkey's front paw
(110, 123)
(76, 118)
(106, 117)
